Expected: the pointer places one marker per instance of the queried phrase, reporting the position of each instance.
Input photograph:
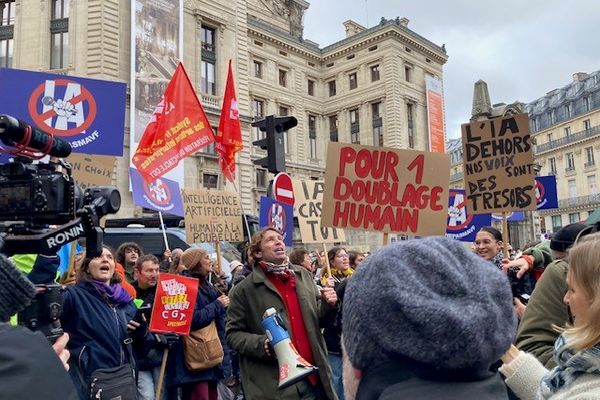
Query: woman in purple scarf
(98, 315)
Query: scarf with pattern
(569, 367)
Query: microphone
(14, 132)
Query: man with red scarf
(288, 288)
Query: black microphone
(13, 131)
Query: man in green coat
(546, 309)
(274, 282)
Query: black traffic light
(274, 127)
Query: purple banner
(511, 216)
(161, 195)
(462, 225)
(88, 113)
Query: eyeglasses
(343, 256)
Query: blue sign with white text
(161, 195)
(462, 225)
(87, 113)
(545, 192)
(274, 214)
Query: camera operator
(30, 366)
(98, 314)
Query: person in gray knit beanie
(431, 310)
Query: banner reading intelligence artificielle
(386, 190)
(212, 215)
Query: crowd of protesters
(422, 318)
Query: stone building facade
(368, 88)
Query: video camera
(40, 205)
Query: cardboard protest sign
(545, 192)
(308, 206)
(386, 190)
(174, 304)
(212, 215)
(278, 215)
(92, 170)
(498, 165)
(463, 225)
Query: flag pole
(241, 203)
(164, 233)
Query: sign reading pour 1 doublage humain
(386, 190)
(498, 165)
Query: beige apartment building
(565, 124)
(368, 88)
(566, 127)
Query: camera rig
(41, 206)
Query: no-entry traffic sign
(283, 190)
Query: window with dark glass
(258, 106)
(208, 60)
(408, 73)
(589, 156)
(552, 162)
(410, 122)
(8, 13)
(570, 162)
(587, 124)
(311, 87)
(374, 73)
(333, 128)
(261, 178)
(354, 126)
(282, 78)
(353, 81)
(210, 181)
(332, 88)
(312, 136)
(377, 124)
(59, 34)
(258, 69)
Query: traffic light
(274, 127)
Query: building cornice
(387, 30)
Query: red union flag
(174, 304)
(178, 127)
(229, 134)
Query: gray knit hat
(429, 300)
(16, 291)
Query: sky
(522, 49)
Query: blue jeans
(335, 361)
(146, 384)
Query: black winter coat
(207, 309)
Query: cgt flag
(178, 127)
(229, 134)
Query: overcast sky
(522, 49)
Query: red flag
(178, 127)
(229, 134)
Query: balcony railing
(211, 101)
(588, 133)
(579, 201)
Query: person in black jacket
(98, 315)
(29, 366)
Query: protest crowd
(422, 318)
